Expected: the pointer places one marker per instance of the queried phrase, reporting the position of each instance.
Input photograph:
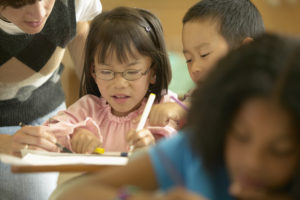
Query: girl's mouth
(120, 98)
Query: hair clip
(147, 28)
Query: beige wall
(284, 19)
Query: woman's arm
(76, 46)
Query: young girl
(126, 60)
(243, 139)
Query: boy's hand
(140, 139)
(84, 141)
(237, 190)
(161, 114)
(33, 137)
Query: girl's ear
(92, 70)
(152, 76)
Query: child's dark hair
(237, 19)
(120, 30)
(16, 3)
(268, 67)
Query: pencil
(145, 114)
(179, 103)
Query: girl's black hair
(237, 19)
(120, 30)
(267, 67)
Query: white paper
(40, 158)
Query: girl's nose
(120, 81)
(254, 160)
(37, 10)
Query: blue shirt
(175, 164)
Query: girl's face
(203, 46)
(262, 148)
(30, 18)
(124, 96)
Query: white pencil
(145, 114)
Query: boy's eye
(204, 55)
(188, 61)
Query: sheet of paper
(40, 158)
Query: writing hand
(33, 137)
(140, 139)
(84, 141)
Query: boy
(33, 37)
(210, 29)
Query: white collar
(10, 28)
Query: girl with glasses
(125, 61)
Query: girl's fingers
(238, 191)
(146, 140)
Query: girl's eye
(240, 136)
(105, 72)
(204, 55)
(281, 152)
(132, 72)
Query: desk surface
(59, 168)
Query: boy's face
(30, 18)
(203, 46)
(261, 148)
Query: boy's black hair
(16, 3)
(120, 30)
(237, 19)
(268, 67)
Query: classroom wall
(283, 18)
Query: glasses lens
(105, 74)
(132, 75)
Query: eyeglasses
(130, 75)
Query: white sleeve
(87, 9)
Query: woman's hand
(33, 137)
(140, 139)
(84, 141)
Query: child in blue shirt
(242, 137)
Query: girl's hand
(33, 137)
(84, 141)
(140, 139)
(237, 190)
(161, 114)
(174, 194)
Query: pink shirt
(94, 113)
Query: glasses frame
(123, 74)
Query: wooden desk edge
(59, 168)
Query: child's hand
(161, 114)
(140, 139)
(237, 190)
(84, 141)
(174, 194)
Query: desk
(59, 168)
